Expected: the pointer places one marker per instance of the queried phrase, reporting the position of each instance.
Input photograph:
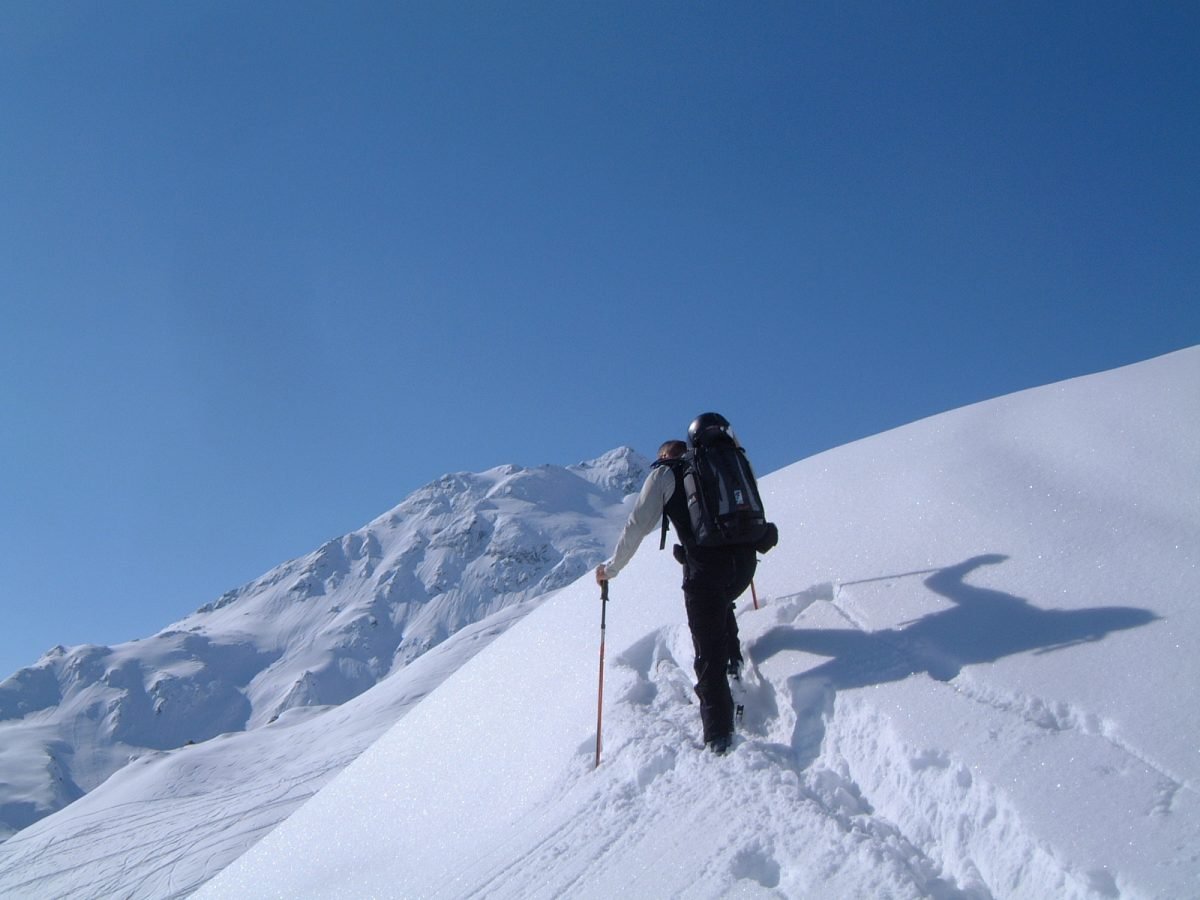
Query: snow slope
(163, 825)
(314, 632)
(973, 675)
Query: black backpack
(724, 506)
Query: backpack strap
(673, 465)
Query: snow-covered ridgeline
(163, 825)
(965, 681)
(315, 631)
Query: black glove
(680, 554)
(768, 540)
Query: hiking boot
(720, 745)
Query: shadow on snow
(982, 626)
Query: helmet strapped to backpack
(709, 428)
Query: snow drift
(972, 675)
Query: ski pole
(600, 695)
(754, 593)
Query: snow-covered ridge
(966, 681)
(315, 631)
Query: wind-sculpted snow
(966, 679)
(316, 631)
(827, 793)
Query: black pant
(713, 578)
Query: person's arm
(647, 513)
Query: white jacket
(647, 513)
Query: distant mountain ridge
(315, 631)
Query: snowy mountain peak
(939, 700)
(315, 631)
(963, 680)
(621, 470)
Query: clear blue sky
(266, 268)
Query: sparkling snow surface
(972, 675)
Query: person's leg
(733, 649)
(707, 576)
(744, 564)
(708, 624)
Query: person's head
(672, 450)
